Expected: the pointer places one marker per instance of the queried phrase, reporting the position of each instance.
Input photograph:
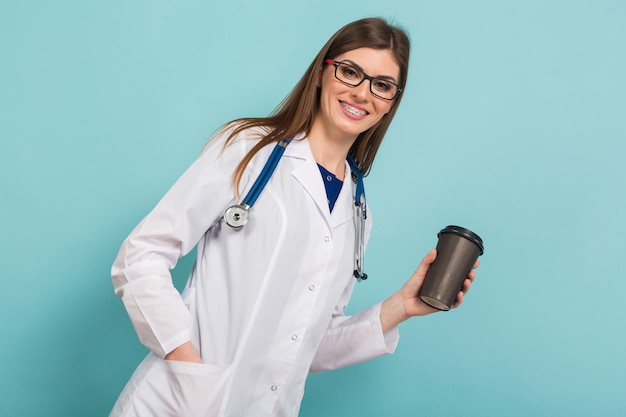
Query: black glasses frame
(365, 77)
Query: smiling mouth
(353, 111)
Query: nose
(362, 91)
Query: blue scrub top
(332, 185)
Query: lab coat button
(294, 337)
(274, 387)
(326, 238)
(312, 287)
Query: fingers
(459, 299)
(466, 287)
(471, 276)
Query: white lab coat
(264, 305)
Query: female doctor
(264, 304)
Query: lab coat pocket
(185, 388)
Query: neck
(330, 151)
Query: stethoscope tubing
(266, 173)
(360, 209)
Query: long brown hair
(295, 114)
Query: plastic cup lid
(466, 233)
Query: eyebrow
(357, 66)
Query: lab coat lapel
(308, 175)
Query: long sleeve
(141, 271)
(354, 339)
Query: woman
(264, 304)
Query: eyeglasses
(352, 76)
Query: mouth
(353, 111)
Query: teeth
(353, 111)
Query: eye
(349, 72)
(382, 85)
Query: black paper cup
(457, 251)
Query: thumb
(426, 263)
(414, 284)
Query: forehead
(375, 62)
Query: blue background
(512, 125)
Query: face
(349, 111)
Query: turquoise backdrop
(513, 125)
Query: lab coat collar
(308, 175)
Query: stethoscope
(237, 215)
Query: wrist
(392, 312)
(184, 353)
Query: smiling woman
(230, 345)
(347, 104)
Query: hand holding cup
(457, 251)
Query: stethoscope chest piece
(236, 216)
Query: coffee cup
(457, 251)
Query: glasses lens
(380, 87)
(348, 74)
(384, 88)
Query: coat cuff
(388, 339)
(354, 339)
